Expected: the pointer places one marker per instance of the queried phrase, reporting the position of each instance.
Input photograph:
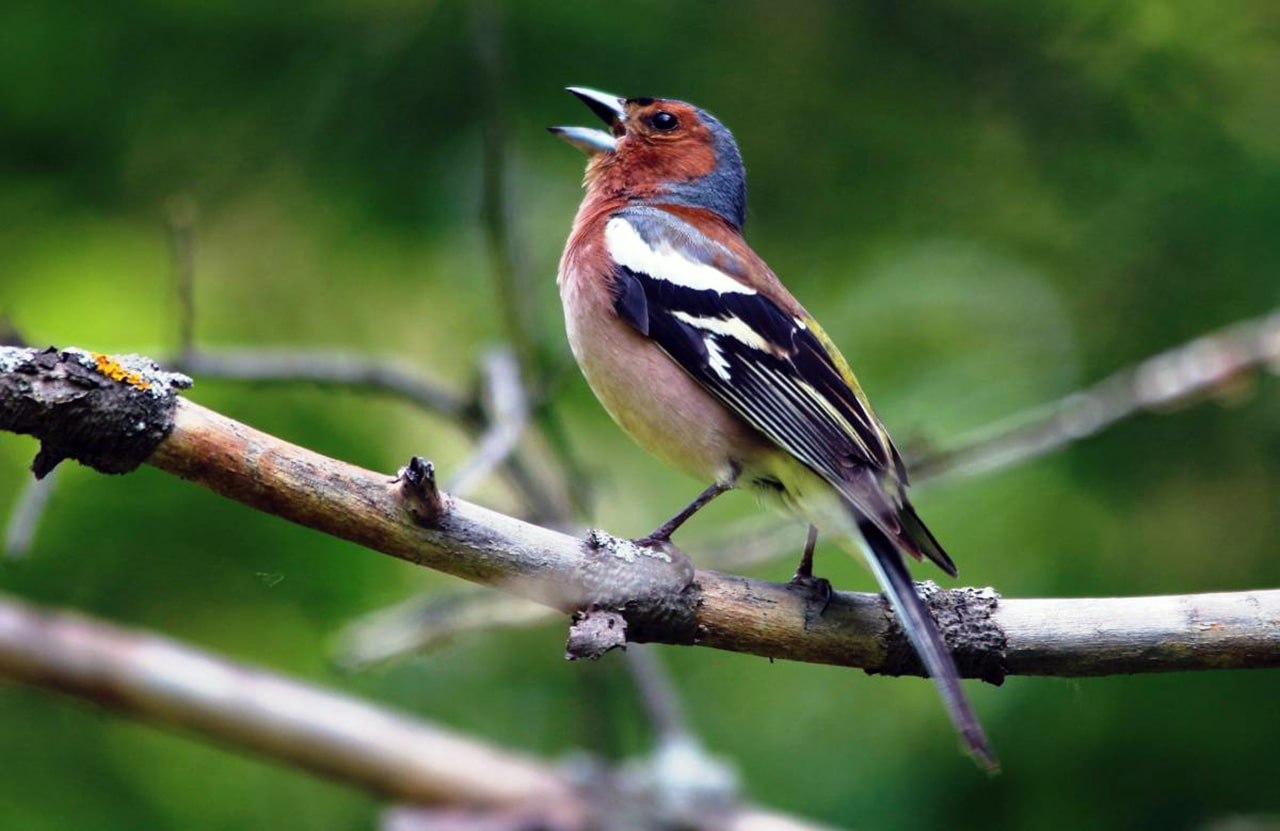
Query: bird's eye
(663, 120)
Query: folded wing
(684, 290)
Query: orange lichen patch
(111, 368)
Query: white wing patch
(730, 327)
(715, 358)
(664, 262)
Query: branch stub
(106, 412)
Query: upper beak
(592, 141)
(608, 107)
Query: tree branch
(658, 696)
(1210, 364)
(24, 519)
(656, 590)
(510, 272)
(339, 737)
(332, 735)
(424, 622)
(373, 374)
(506, 409)
(325, 369)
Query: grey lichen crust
(966, 620)
(650, 587)
(106, 412)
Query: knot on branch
(422, 497)
(108, 413)
(965, 617)
(649, 587)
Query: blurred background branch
(496, 416)
(505, 405)
(26, 512)
(1215, 365)
(339, 737)
(512, 288)
(326, 369)
(336, 736)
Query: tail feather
(886, 561)
(920, 541)
(867, 495)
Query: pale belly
(656, 403)
(670, 415)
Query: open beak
(587, 139)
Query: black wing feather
(764, 377)
(629, 300)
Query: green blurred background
(987, 204)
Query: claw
(818, 588)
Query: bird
(700, 354)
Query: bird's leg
(805, 570)
(666, 529)
(804, 578)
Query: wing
(776, 370)
(684, 290)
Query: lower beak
(587, 139)
(591, 141)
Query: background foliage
(988, 204)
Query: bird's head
(658, 150)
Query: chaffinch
(700, 354)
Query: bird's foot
(818, 589)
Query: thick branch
(657, 591)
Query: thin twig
(506, 411)
(511, 279)
(325, 369)
(182, 225)
(427, 622)
(658, 694)
(378, 375)
(33, 499)
(509, 265)
(1210, 364)
(24, 519)
(577, 480)
(338, 369)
